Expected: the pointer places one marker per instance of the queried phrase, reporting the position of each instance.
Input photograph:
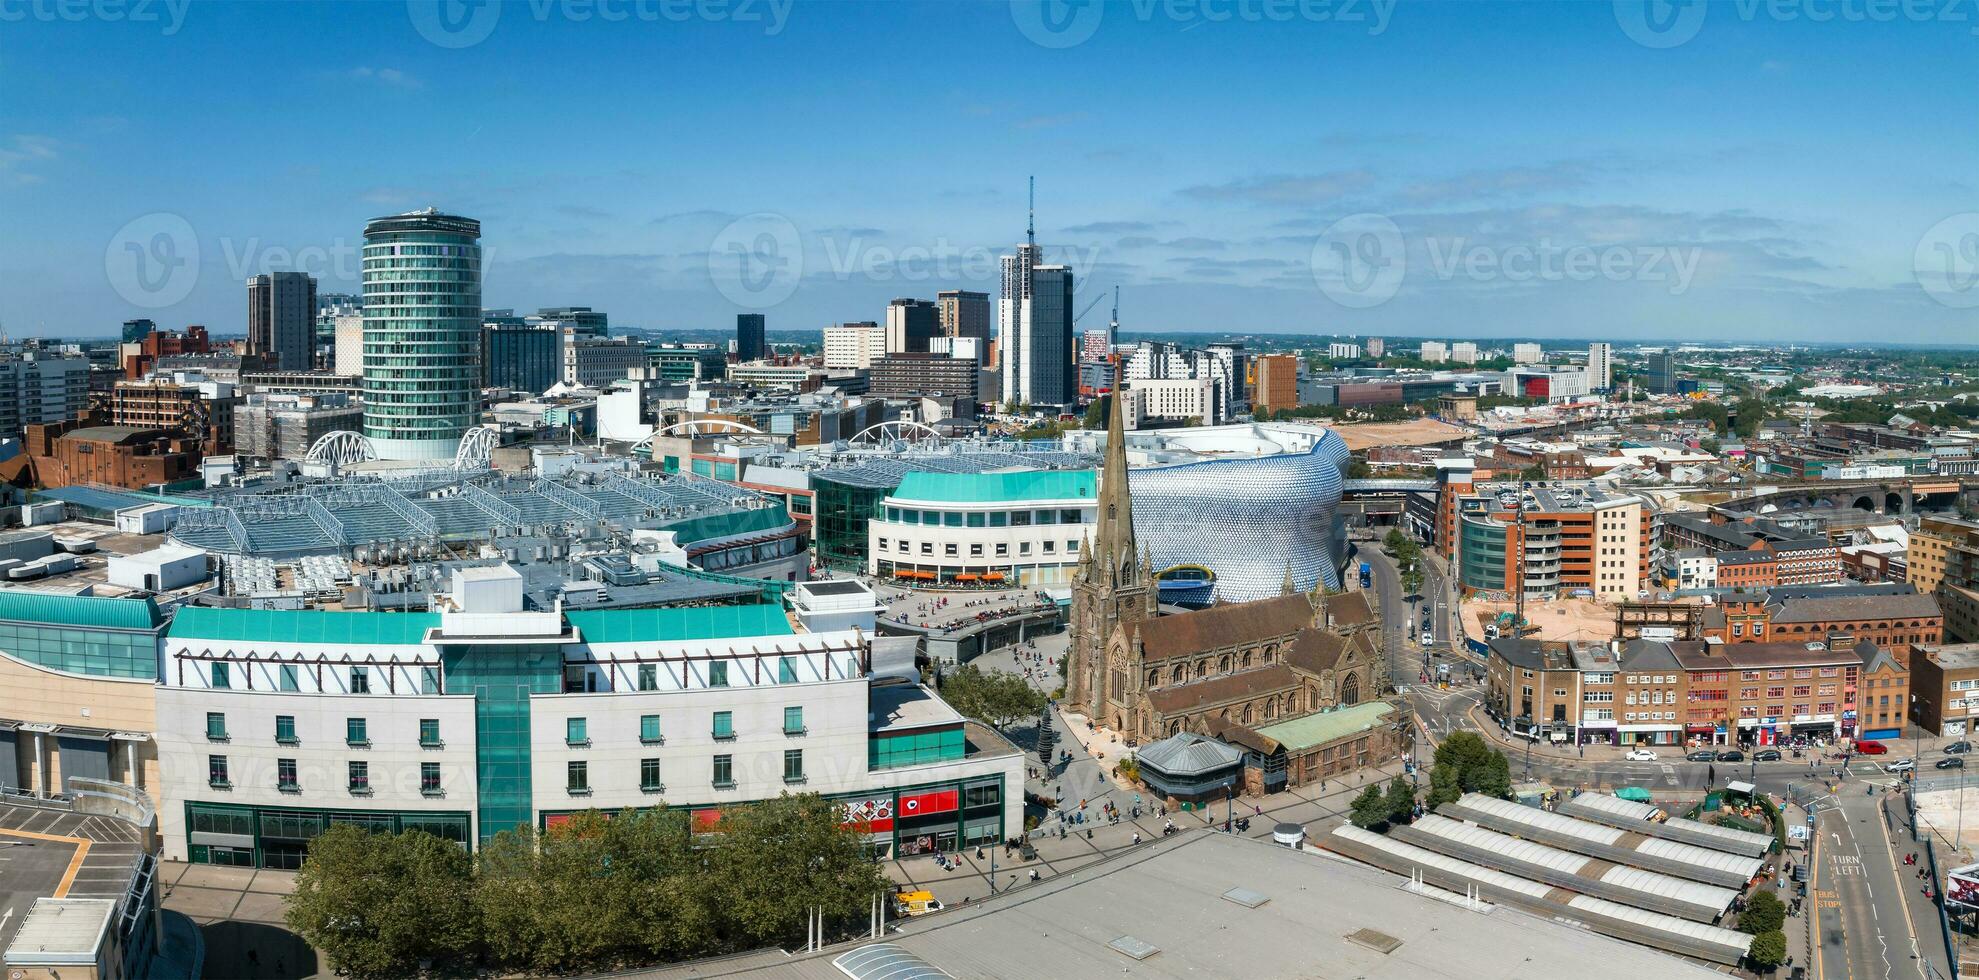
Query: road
(1862, 920)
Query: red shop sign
(939, 801)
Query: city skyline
(1727, 202)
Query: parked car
(1958, 748)
(1641, 755)
(1766, 755)
(1951, 762)
(1901, 765)
(1871, 748)
(1702, 755)
(1731, 755)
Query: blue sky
(1526, 169)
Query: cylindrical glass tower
(422, 333)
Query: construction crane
(1089, 307)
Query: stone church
(1148, 676)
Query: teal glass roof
(997, 488)
(51, 609)
(657, 625)
(301, 626)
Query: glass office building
(422, 333)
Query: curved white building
(1250, 502)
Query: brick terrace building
(1945, 680)
(164, 405)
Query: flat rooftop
(1202, 904)
(1953, 656)
(894, 707)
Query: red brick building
(139, 356)
(68, 453)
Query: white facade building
(1601, 366)
(853, 347)
(1343, 350)
(1024, 528)
(1527, 354)
(1174, 399)
(483, 716)
(1463, 352)
(1433, 351)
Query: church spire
(1116, 510)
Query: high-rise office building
(910, 324)
(330, 306)
(1660, 374)
(1601, 366)
(422, 333)
(520, 358)
(281, 319)
(583, 322)
(854, 345)
(964, 313)
(749, 344)
(1035, 327)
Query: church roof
(1235, 624)
(1350, 609)
(1191, 695)
(1317, 651)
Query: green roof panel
(302, 626)
(699, 623)
(1321, 727)
(999, 488)
(54, 609)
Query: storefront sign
(922, 804)
(874, 815)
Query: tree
(1097, 412)
(1763, 913)
(995, 696)
(1475, 766)
(1769, 950)
(1401, 801)
(781, 858)
(1357, 469)
(385, 905)
(1395, 541)
(1445, 785)
(1370, 809)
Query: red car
(1871, 748)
